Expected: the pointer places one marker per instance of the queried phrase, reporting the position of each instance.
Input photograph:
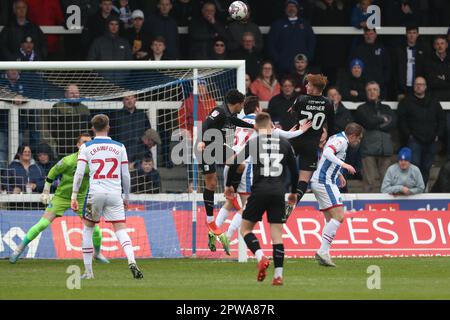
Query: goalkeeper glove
(45, 196)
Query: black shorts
(274, 205)
(208, 168)
(307, 151)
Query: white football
(238, 10)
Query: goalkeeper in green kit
(56, 207)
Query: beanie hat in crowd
(356, 62)
(405, 154)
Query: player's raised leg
(32, 233)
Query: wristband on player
(74, 195)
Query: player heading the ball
(108, 174)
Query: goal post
(38, 110)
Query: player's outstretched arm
(54, 172)
(241, 123)
(294, 134)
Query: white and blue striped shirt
(327, 171)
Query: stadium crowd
(370, 69)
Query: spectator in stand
(164, 25)
(402, 12)
(145, 179)
(110, 47)
(129, 124)
(330, 13)
(48, 13)
(282, 47)
(44, 158)
(248, 83)
(421, 123)
(11, 81)
(137, 37)
(266, 84)
(247, 52)
(376, 60)
(12, 35)
(342, 116)
(219, 51)
(183, 11)
(410, 62)
(141, 148)
(15, 89)
(205, 104)
(376, 147)
(403, 178)
(98, 23)
(73, 49)
(301, 71)
(158, 49)
(238, 28)
(438, 70)
(26, 51)
(442, 184)
(353, 84)
(360, 14)
(67, 120)
(280, 104)
(124, 11)
(23, 175)
(203, 30)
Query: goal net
(152, 106)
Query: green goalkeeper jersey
(66, 168)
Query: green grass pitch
(401, 278)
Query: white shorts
(328, 195)
(106, 205)
(245, 184)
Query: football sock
(301, 189)
(222, 216)
(253, 244)
(35, 230)
(278, 259)
(125, 242)
(259, 254)
(329, 231)
(208, 199)
(97, 239)
(88, 248)
(234, 225)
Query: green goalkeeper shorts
(58, 206)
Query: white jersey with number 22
(105, 158)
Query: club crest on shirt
(214, 114)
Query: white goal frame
(195, 65)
